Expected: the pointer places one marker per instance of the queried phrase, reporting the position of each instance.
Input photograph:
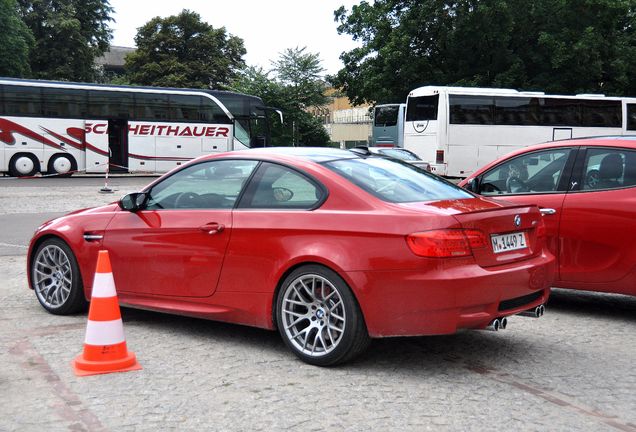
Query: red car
(328, 246)
(586, 189)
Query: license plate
(508, 242)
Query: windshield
(400, 154)
(396, 181)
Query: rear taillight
(446, 243)
(439, 157)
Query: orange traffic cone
(105, 348)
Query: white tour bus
(388, 125)
(458, 129)
(58, 128)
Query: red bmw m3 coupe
(329, 247)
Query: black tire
(66, 161)
(52, 267)
(313, 300)
(19, 167)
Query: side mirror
(473, 185)
(133, 202)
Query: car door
(175, 245)
(273, 216)
(539, 177)
(598, 221)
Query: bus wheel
(23, 165)
(62, 165)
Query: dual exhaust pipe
(501, 323)
(498, 324)
(536, 312)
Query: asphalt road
(572, 370)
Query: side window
(537, 172)
(22, 100)
(207, 185)
(279, 187)
(608, 168)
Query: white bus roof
(430, 90)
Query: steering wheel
(187, 200)
(515, 185)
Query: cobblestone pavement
(571, 370)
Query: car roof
(314, 154)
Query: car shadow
(475, 351)
(592, 304)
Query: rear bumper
(459, 295)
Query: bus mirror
(133, 201)
(258, 141)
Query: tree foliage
(183, 51)
(69, 35)
(15, 41)
(557, 46)
(293, 86)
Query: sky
(267, 27)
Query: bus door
(118, 144)
(561, 133)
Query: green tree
(293, 86)
(15, 41)
(558, 46)
(69, 35)
(183, 51)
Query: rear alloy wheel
(23, 165)
(61, 165)
(56, 278)
(318, 317)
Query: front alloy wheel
(56, 278)
(319, 318)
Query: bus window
(631, 116)
(110, 104)
(386, 115)
(22, 100)
(560, 112)
(185, 108)
(516, 111)
(212, 113)
(601, 113)
(471, 109)
(151, 106)
(422, 108)
(63, 103)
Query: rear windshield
(396, 181)
(422, 108)
(399, 153)
(386, 115)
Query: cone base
(84, 367)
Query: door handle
(212, 228)
(547, 211)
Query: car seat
(610, 171)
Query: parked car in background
(328, 246)
(586, 189)
(398, 153)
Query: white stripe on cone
(104, 332)
(104, 285)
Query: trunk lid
(512, 232)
